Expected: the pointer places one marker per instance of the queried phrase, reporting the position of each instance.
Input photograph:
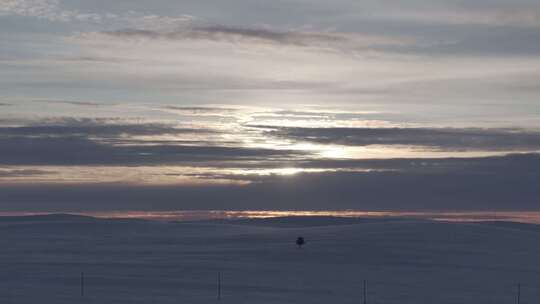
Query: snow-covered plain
(135, 261)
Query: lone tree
(300, 241)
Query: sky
(269, 105)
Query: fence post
(219, 286)
(519, 293)
(365, 292)
(82, 284)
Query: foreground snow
(130, 261)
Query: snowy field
(135, 261)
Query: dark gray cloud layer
(207, 111)
(460, 39)
(511, 186)
(21, 173)
(110, 142)
(67, 151)
(94, 142)
(102, 127)
(74, 103)
(234, 34)
(523, 162)
(453, 139)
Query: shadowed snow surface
(132, 261)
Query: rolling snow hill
(134, 261)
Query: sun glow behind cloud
(190, 151)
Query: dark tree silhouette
(300, 241)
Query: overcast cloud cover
(368, 105)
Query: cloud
(89, 127)
(70, 151)
(34, 8)
(53, 10)
(231, 34)
(512, 185)
(473, 13)
(448, 139)
(218, 32)
(103, 142)
(502, 41)
(5, 104)
(44, 9)
(11, 173)
(438, 62)
(202, 111)
(74, 103)
(257, 35)
(481, 165)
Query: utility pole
(365, 292)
